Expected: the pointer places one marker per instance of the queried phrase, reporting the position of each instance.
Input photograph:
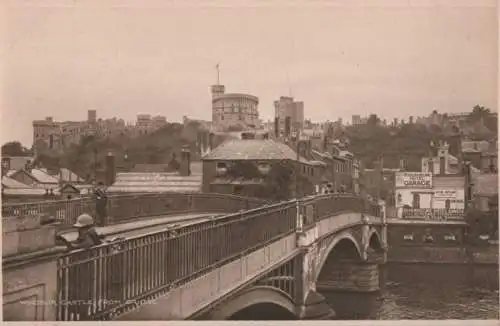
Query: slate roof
(252, 149)
(42, 176)
(11, 183)
(486, 185)
(156, 182)
(69, 176)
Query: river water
(434, 291)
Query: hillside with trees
(160, 147)
(412, 140)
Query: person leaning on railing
(87, 235)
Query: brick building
(253, 167)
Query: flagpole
(218, 73)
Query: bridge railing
(317, 208)
(126, 207)
(120, 208)
(64, 211)
(113, 278)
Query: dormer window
(221, 168)
(264, 167)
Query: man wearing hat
(87, 235)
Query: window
(447, 204)
(221, 168)
(430, 166)
(416, 201)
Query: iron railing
(433, 214)
(317, 208)
(121, 208)
(107, 280)
(98, 283)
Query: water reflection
(433, 291)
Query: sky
(394, 58)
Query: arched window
(447, 204)
(416, 201)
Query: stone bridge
(269, 262)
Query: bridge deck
(143, 225)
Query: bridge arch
(343, 245)
(374, 240)
(257, 303)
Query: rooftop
(252, 149)
(156, 182)
(11, 183)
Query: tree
(14, 148)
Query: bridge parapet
(316, 208)
(145, 267)
(112, 279)
(121, 208)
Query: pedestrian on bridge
(87, 235)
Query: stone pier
(29, 269)
(351, 288)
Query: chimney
(309, 149)
(468, 184)
(110, 173)
(302, 148)
(288, 126)
(61, 181)
(276, 127)
(28, 166)
(442, 165)
(185, 169)
(402, 164)
(211, 141)
(5, 165)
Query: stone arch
(258, 295)
(344, 240)
(374, 240)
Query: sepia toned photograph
(249, 160)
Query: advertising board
(413, 180)
(445, 193)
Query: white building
(426, 195)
